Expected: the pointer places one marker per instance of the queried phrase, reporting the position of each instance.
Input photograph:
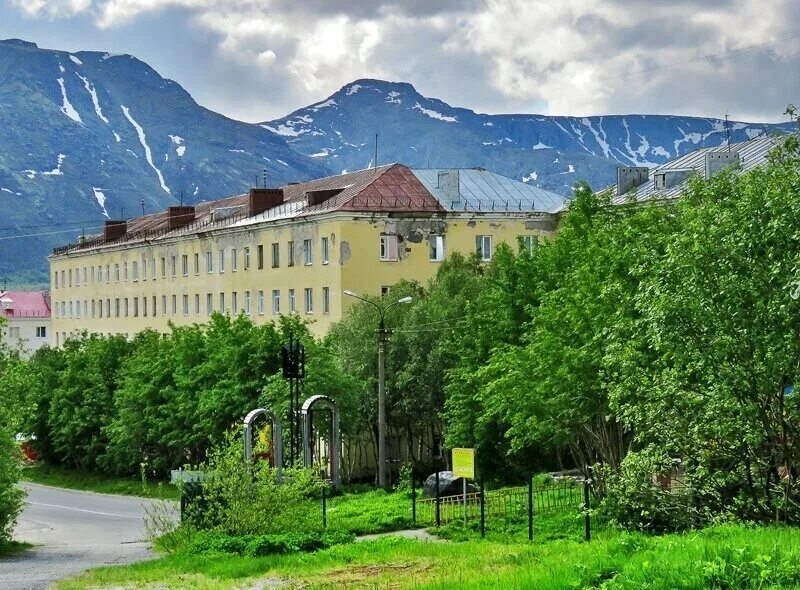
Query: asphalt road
(73, 531)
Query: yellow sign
(464, 463)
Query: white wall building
(27, 319)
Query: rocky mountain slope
(87, 136)
(550, 151)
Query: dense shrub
(274, 544)
(239, 499)
(10, 496)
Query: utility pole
(382, 404)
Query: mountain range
(88, 136)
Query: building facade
(290, 250)
(27, 320)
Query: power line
(50, 233)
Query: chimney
(262, 199)
(320, 196)
(716, 161)
(669, 178)
(114, 229)
(179, 216)
(448, 182)
(629, 177)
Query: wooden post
(438, 499)
(530, 508)
(483, 511)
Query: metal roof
(752, 153)
(483, 191)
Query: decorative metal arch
(335, 435)
(277, 440)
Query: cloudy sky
(260, 59)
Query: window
(529, 243)
(154, 306)
(93, 308)
(13, 332)
(292, 307)
(135, 270)
(276, 257)
(483, 246)
(326, 299)
(222, 261)
(196, 263)
(309, 300)
(185, 305)
(63, 284)
(261, 303)
(144, 307)
(209, 262)
(325, 251)
(389, 247)
(84, 276)
(276, 301)
(209, 304)
(108, 308)
(70, 308)
(222, 302)
(291, 253)
(234, 260)
(41, 331)
(308, 254)
(93, 274)
(174, 305)
(126, 307)
(384, 290)
(153, 268)
(56, 279)
(163, 305)
(247, 302)
(125, 271)
(247, 258)
(136, 307)
(197, 304)
(436, 248)
(260, 256)
(116, 307)
(174, 266)
(116, 273)
(144, 269)
(163, 267)
(234, 303)
(185, 264)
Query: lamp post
(381, 381)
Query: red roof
(22, 304)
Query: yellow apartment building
(288, 250)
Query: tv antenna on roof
(264, 172)
(375, 161)
(142, 206)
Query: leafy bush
(274, 544)
(239, 499)
(636, 501)
(10, 496)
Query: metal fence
(506, 503)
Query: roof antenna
(727, 131)
(376, 151)
(122, 213)
(181, 198)
(142, 206)
(264, 172)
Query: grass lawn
(719, 557)
(91, 482)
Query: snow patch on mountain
(57, 170)
(147, 153)
(93, 94)
(75, 60)
(393, 97)
(434, 114)
(66, 106)
(599, 135)
(353, 89)
(179, 142)
(100, 196)
(533, 176)
(541, 146)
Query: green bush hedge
(10, 496)
(257, 545)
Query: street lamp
(381, 381)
